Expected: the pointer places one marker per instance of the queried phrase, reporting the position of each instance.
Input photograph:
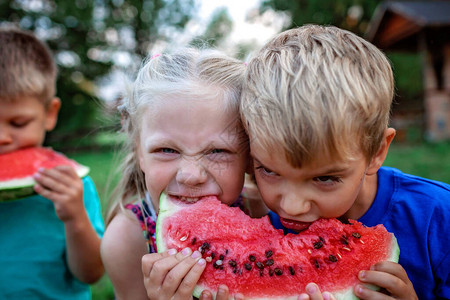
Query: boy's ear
(51, 116)
(380, 156)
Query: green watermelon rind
(20, 188)
(168, 208)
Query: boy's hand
(172, 275)
(313, 293)
(390, 277)
(64, 188)
(222, 294)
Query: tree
(352, 15)
(88, 38)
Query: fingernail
(196, 254)
(171, 251)
(326, 296)
(201, 262)
(36, 175)
(311, 288)
(362, 275)
(359, 289)
(303, 297)
(186, 251)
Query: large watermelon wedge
(253, 258)
(17, 169)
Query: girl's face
(190, 148)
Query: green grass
(425, 160)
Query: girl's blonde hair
(317, 92)
(202, 74)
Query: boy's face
(324, 189)
(24, 122)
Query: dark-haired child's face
(322, 189)
(24, 122)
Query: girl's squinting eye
(167, 150)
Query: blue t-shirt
(33, 249)
(417, 211)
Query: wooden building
(422, 27)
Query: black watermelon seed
(232, 263)
(259, 265)
(205, 245)
(269, 253)
(356, 235)
(316, 264)
(269, 262)
(270, 272)
(261, 272)
(194, 240)
(226, 251)
(332, 258)
(235, 270)
(248, 267)
(213, 255)
(252, 258)
(344, 240)
(278, 271)
(221, 257)
(318, 245)
(291, 270)
(216, 266)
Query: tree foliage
(352, 15)
(88, 38)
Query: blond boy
(316, 107)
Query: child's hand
(222, 294)
(313, 293)
(390, 277)
(172, 275)
(64, 188)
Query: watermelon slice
(251, 257)
(18, 167)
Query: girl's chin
(294, 225)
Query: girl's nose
(191, 173)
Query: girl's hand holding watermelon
(172, 275)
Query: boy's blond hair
(27, 67)
(317, 92)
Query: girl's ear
(380, 156)
(51, 114)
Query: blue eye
(216, 151)
(167, 150)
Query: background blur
(99, 44)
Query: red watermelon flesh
(253, 258)
(18, 167)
